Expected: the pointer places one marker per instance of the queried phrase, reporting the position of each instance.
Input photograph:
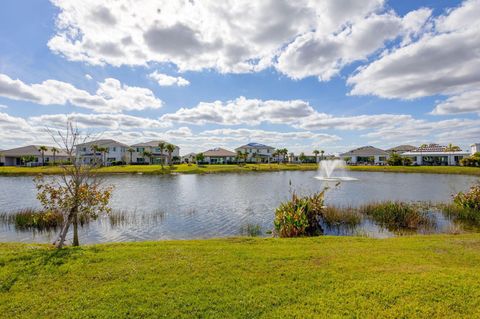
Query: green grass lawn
(206, 169)
(323, 277)
(157, 169)
(420, 169)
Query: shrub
(397, 215)
(470, 199)
(299, 216)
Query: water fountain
(328, 167)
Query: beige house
(219, 156)
(32, 156)
(114, 152)
(365, 155)
(157, 156)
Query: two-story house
(150, 153)
(104, 151)
(256, 152)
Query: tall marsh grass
(32, 219)
(398, 215)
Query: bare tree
(77, 193)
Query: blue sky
(329, 75)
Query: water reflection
(204, 206)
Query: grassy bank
(419, 276)
(460, 170)
(157, 169)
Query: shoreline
(232, 168)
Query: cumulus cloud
(422, 131)
(88, 77)
(307, 37)
(242, 111)
(110, 121)
(444, 61)
(2, 106)
(324, 55)
(167, 80)
(466, 102)
(111, 95)
(15, 131)
(296, 113)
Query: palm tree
(316, 152)
(199, 158)
(284, 153)
(104, 151)
(239, 156)
(170, 149)
(255, 157)
(452, 148)
(302, 157)
(161, 146)
(131, 150)
(42, 150)
(95, 149)
(148, 155)
(322, 152)
(54, 152)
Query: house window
(84, 149)
(114, 149)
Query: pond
(219, 205)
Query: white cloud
(242, 111)
(466, 102)
(324, 55)
(423, 131)
(2, 106)
(296, 113)
(229, 36)
(444, 61)
(167, 80)
(110, 121)
(88, 77)
(111, 96)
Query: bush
(470, 199)
(299, 216)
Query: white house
(219, 156)
(364, 155)
(157, 156)
(257, 152)
(434, 154)
(189, 158)
(105, 151)
(32, 156)
(475, 148)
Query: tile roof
(220, 152)
(365, 151)
(32, 150)
(255, 145)
(151, 144)
(402, 148)
(103, 142)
